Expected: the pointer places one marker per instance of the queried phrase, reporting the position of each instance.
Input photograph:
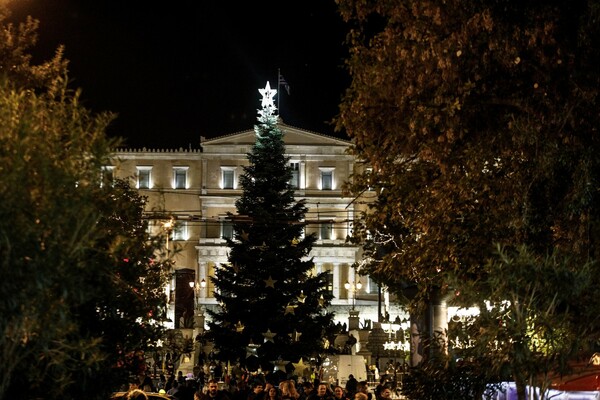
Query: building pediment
(292, 137)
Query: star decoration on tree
(268, 335)
(267, 96)
(295, 335)
(239, 327)
(270, 282)
(251, 349)
(299, 367)
(290, 309)
(280, 365)
(302, 297)
(322, 301)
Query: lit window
(371, 287)
(180, 177)
(108, 176)
(226, 230)
(144, 177)
(228, 177)
(326, 229)
(295, 181)
(180, 231)
(330, 282)
(326, 178)
(151, 228)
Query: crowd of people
(256, 387)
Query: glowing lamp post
(198, 318)
(352, 288)
(168, 227)
(197, 286)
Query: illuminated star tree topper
(266, 114)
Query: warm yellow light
(168, 225)
(353, 287)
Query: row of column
(202, 274)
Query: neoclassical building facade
(191, 192)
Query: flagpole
(278, 90)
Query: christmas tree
(272, 304)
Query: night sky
(175, 71)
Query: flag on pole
(283, 82)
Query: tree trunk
(429, 331)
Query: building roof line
(281, 126)
(156, 150)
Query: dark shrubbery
(444, 378)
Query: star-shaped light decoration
(269, 336)
(299, 367)
(270, 282)
(321, 301)
(251, 349)
(280, 365)
(290, 309)
(267, 96)
(295, 336)
(239, 327)
(302, 297)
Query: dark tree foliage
(16, 40)
(479, 122)
(81, 289)
(111, 306)
(272, 306)
(537, 321)
(459, 380)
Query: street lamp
(168, 227)
(197, 287)
(353, 288)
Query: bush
(444, 378)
